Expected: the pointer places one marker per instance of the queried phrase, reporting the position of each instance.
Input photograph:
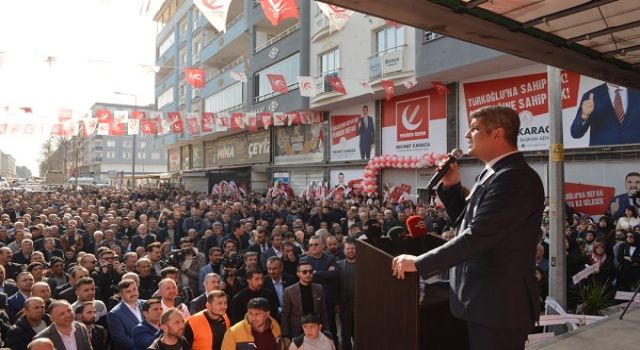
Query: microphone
(455, 154)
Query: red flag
(278, 83)
(177, 127)
(389, 88)
(104, 116)
(393, 24)
(277, 10)
(294, 118)
(116, 129)
(195, 77)
(337, 85)
(237, 121)
(173, 117)
(149, 126)
(441, 88)
(193, 124)
(265, 119)
(252, 121)
(137, 115)
(56, 130)
(65, 114)
(26, 109)
(207, 122)
(88, 126)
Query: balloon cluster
(370, 181)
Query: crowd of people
(173, 269)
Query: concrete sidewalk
(610, 333)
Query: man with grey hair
(64, 331)
(212, 281)
(142, 238)
(41, 344)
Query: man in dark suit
(624, 200)
(86, 314)
(295, 305)
(492, 256)
(23, 331)
(148, 330)
(7, 287)
(366, 130)
(613, 114)
(275, 281)
(15, 303)
(125, 316)
(212, 281)
(63, 323)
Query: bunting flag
(336, 84)
(410, 83)
(367, 87)
(156, 116)
(237, 121)
(120, 116)
(193, 123)
(215, 11)
(441, 88)
(305, 117)
(389, 88)
(177, 127)
(293, 118)
(104, 116)
(173, 117)
(5, 127)
(116, 129)
(338, 16)
(265, 119)
(315, 117)
(222, 122)
(278, 10)
(278, 83)
(103, 129)
(137, 115)
(207, 122)
(149, 126)
(89, 125)
(64, 115)
(133, 127)
(56, 130)
(393, 24)
(251, 120)
(307, 86)
(239, 76)
(165, 126)
(195, 77)
(279, 119)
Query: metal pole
(77, 156)
(557, 254)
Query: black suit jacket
(83, 338)
(198, 304)
(492, 255)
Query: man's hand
(403, 263)
(587, 107)
(452, 176)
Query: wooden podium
(388, 311)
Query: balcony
(319, 26)
(164, 84)
(272, 94)
(285, 33)
(388, 62)
(182, 99)
(235, 29)
(323, 88)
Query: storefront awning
(597, 38)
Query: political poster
(302, 143)
(353, 133)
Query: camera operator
(192, 262)
(108, 273)
(233, 283)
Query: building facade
(7, 165)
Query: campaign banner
(592, 115)
(174, 159)
(415, 124)
(345, 183)
(588, 199)
(299, 144)
(353, 133)
(186, 157)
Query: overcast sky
(96, 46)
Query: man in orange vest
(205, 329)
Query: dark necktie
(482, 174)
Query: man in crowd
(206, 328)
(253, 290)
(86, 314)
(147, 331)
(33, 321)
(86, 291)
(215, 265)
(148, 279)
(258, 328)
(168, 291)
(15, 303)
(172, 324)
(64, 332)
(125, 316)
(347, 291)
(212, 281)
(313, 337)
(275, 281)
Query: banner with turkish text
(353, 133)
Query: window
(329, 67)
(225, 99)
(195, 16)
(109, 155)
(126, 144)
(183, 58)
(155, 155)
(289, 68)
(126, 155)
(166, 45)
(142, 155)
(142, 145)
(111, 143)
(182, 92)
(183, 30)
(195, 49)
(165, 98)
(388, 39)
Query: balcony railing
(213, 75)
(386, 62)
(277, 38)
(182, 99)
(274, 93)
(320, 23)
(208, 39)
(322, 85)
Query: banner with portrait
(353, 133)
(345, 183)
(302, 143)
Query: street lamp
(133, 146)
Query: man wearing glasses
(300, 299)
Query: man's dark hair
(253, 271)
(214, 249)
(84, 280)
(215, 294)
(303, 263)
(83, 305)
(311, 318)
(54, 260)
(259, 303)
(124, 284)
(237, 225)
(494, 117)
(147, 304)
(229, 240)
(167, 270)
(186, 240)
(271, 259)
(633, 173)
